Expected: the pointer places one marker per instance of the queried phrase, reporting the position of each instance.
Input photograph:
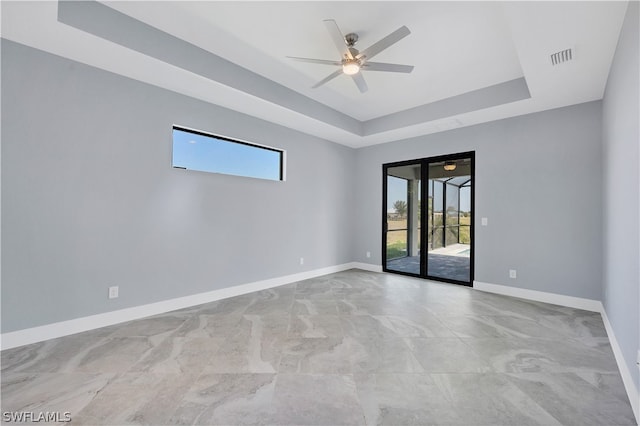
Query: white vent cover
(561, 56)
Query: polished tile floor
(348, 348)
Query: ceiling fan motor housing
(351, 39)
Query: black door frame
(424, 195)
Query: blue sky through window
(396, 191)
(206, 153)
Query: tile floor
(348, 348)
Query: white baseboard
(367, 267)
(627, 379)
(64, 328)
(541, 296)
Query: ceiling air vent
(561, 56)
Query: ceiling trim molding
(107, 23)
(104, 22)
(498, 94)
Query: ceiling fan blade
(378, 47)
(359, 80)
(380, 66)
(315, 61)
(328, 78)
(338, 38)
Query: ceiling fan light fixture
(352, 61)
(351, 67)
(449, 166)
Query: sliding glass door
(443, 225)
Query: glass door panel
(449, 253)
(402, 218)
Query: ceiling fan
(354, 61)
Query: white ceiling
(456, 48)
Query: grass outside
(396, 240)
(397, 236)
(465, 231)
(395, 250)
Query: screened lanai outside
(442, 225)
(449, 228)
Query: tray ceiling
(474, 61)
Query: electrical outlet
(512, 274)
(368, 254)
(113, 292)
(485, 221)
(302, 260)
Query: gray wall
(539, 183)
(621, 139)
(89, 198)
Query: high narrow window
(195, 150)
